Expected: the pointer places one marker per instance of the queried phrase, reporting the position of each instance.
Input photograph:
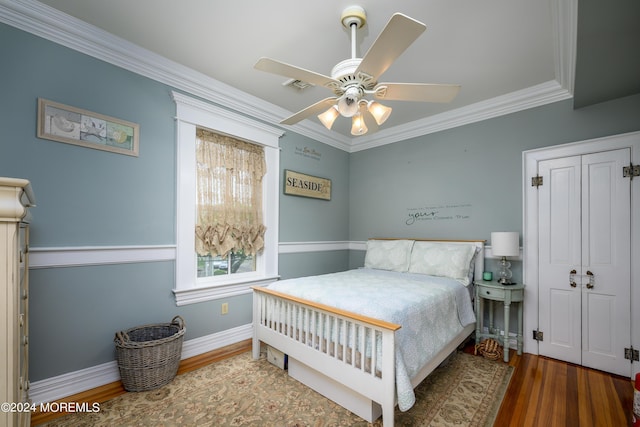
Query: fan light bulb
(358, 127)
(379, 112)
(348, 104)
(328, 117)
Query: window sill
(217, 291)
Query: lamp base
(504, 274)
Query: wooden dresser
(16, 196)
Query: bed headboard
(479, 262)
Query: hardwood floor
(542, 392)
(548, 392)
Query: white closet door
(606, 261)
(560, 243)
(584, 260)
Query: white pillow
(442, 259)
(391, 255)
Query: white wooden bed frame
(299, 328)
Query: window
(229, 227)
(229, 270)
(237, 262)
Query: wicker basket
(490, 349)
(148, 356)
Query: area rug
(465, 391)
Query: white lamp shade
(358, 127)
(328, 117)
(379, 112)
(505, 243)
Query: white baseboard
(71, 383)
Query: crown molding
(564, 21)
(60, 28)
(46, 22)
(535, 96)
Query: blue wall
(471, 175)
(314, 220)
(86, 196)
(305, 219)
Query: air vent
(297, 84)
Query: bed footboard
(353, 350)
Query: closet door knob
(591, 283)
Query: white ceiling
(498, 50)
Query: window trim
(190, 113)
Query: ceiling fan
(352, 80)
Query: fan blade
(394, 39)
(316, 108)
(421, 92)
(276, 67)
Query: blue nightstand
(507, 294)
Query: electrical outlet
(225, 308)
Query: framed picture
(71, 125)
(299, 184)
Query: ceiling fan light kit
(379, 112)
(358, 126)
(328, 117)
(355, 78)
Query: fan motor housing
(344, 73)
(345, 68)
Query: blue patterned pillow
(442, 259)
(391, 255)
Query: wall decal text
(444, 212)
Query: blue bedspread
(431, 310)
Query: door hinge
(536, 181)
(632, 354)
(630, 171)
(538, 335)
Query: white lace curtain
(229, 195)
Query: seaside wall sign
(299, 184)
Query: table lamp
(504, 244)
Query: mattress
(431, 311)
